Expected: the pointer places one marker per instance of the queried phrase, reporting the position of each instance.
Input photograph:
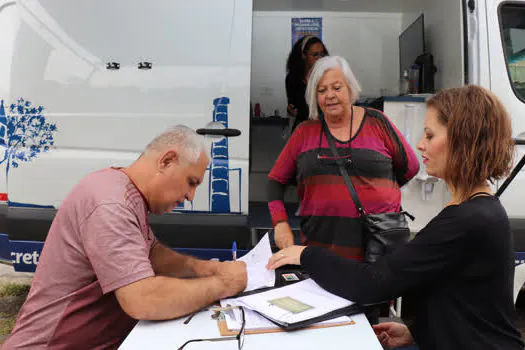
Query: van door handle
(219, 132)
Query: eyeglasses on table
(239, 337)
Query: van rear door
(496, 60)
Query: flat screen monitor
(411, 44)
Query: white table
(172, 334)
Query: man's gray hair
(190, 144)
(318, 70)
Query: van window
(512, 26)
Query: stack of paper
(256, 260)
(295, 305)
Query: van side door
(495, 33)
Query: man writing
(101, 268)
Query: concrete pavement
(8, 275)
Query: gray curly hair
(318, 70)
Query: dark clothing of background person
(295, 91)
(305, 52)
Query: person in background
(301, 59)
(458, 272)
(102, 269)
(382, 162)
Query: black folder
(345, 311)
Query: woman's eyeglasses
(317, 54)
(239, 337)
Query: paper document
(254, 321)
(256, 260)
(294, 303)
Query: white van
(86, 84)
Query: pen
(234, 251)
(190, 317)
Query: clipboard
(346, 311)
(224, 331)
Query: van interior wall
(369, 41)
(366, 35)
(443, 37)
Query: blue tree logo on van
(24, 132)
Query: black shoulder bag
(383, 232)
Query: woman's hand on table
(393, 334)
(286, 256)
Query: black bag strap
(513, 174)
(345, 175)
(343, 170)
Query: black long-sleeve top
(295, 93)
(458, 273)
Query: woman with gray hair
(381, 162)
(377, 157)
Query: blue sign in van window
(303, 26)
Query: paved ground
(8, 274)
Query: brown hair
(479, 132)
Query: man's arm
(161, 297)
(118, 250)
(167, 262)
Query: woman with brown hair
(458, 272)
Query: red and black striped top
(382, 161)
